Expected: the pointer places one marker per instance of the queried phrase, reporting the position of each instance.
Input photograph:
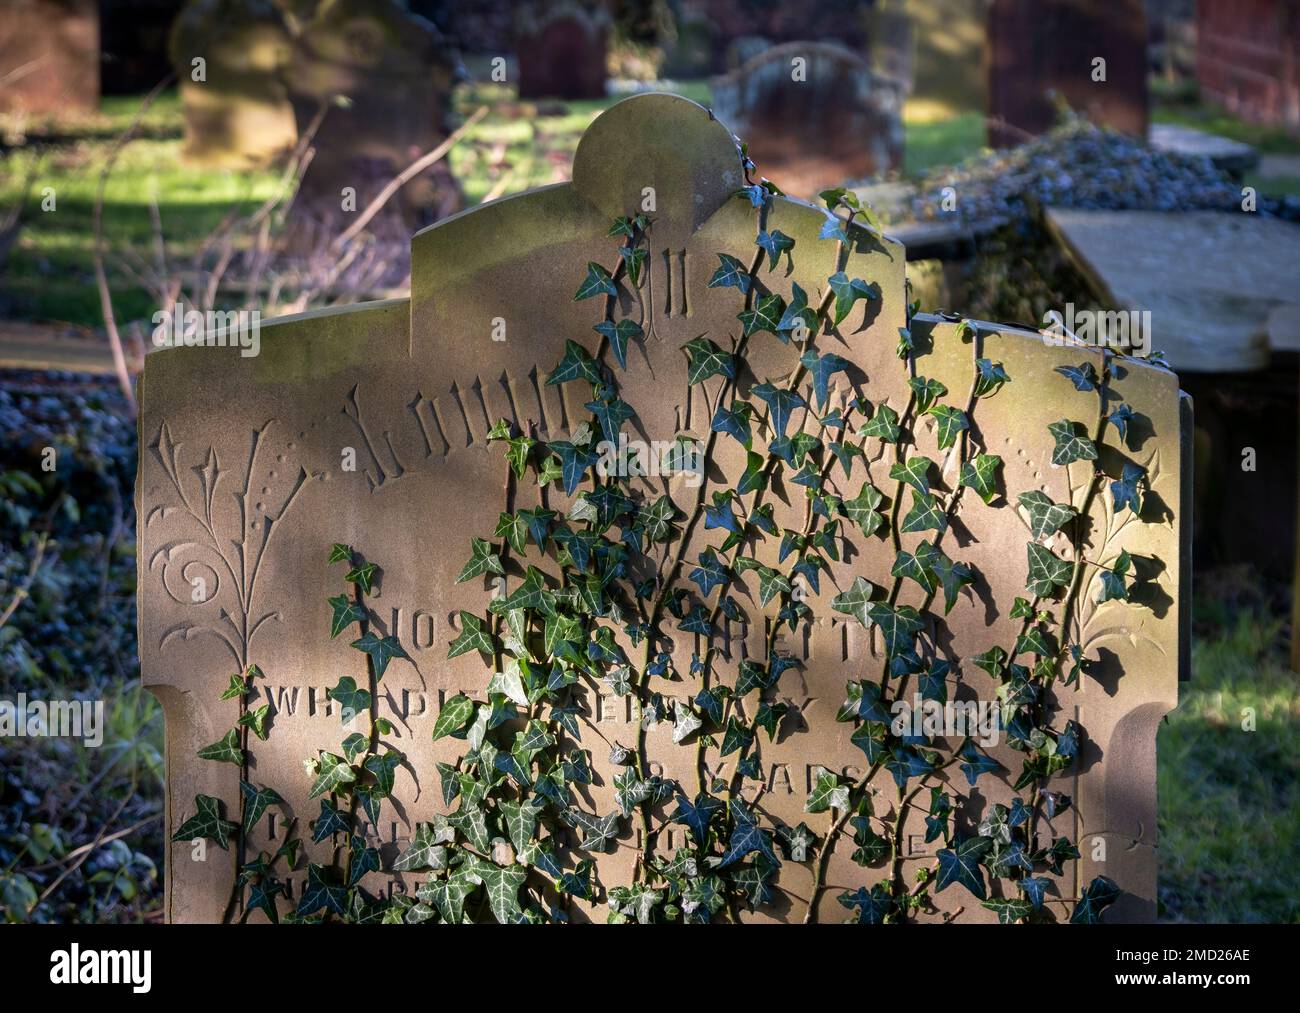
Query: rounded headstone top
(662, 148)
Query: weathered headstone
(814, 114)
(1090, 53)
(229, 57)
(396, 73)
(561, 50)
(49, 57)
(244, 487)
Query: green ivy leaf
(926, 391)
(960, 864)
(333, 774)
(597, 282)
(454, 718)
(483, 559)
(1098, 895)
(706, 360)
(847, 292)
(952, 421)
(597, 831)
(775, 243)
(1113, 587)
(206, 823)
(225, 750)
(1045, 517)
(577, 364)
(926, 514)
(1047, 571)
(1009, 909)
(781, 404)
(424, 852)
(363, 576)
(981, 474)
(1070, 446)
(1126, 490)
(731, 273)
(321, 892)
(255, 802)
(913, 472)
(883, 425)
(827, 793)
(256, 720)
(382, 650)
(821, 369)
(473, 637)
(989, 376)
(619, 335)
(346, 612)
(765, 316)
(863, 510)
(352, 700)
(872, 905)
(856, 601)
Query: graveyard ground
(1229, 806)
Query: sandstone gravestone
(1037, 47)
(243, 489)
(814, 115)
(49, 57)
(236, 106)
(561, 50)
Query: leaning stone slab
(244, 487)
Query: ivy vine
(616, 579)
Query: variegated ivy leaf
(686, 722)
(1045, 517)
(473, 637)
(883, 424)
(1047, 571)
(856, 601)
(520, 821)
(981, 474)
(951, 422)
(346, 612)
(863, 510)
(989, 376)
(927, 514)
(206, 823)
(471, 822)
(731, 273)
(483, 559)
(332, 774)
(597, 282)
(597, 831)
(1009, 909)
(1070, 445)
(827, 793)
(454, 718)
(382, 650)
(225, 750)
(422, 853)
(449, 895)
(913, 472)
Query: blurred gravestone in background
(397, 74)
(49, 56)
(237, 111)
(1037, 47)
(1248, 58)
(815, 115)
(947, 62)
(561, 48)
(383, 76)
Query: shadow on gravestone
(244, 486)
(815, 115)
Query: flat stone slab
(1229, 155)
(1210, 279)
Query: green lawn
(1229, 799)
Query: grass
(1229, 799)
(515, 147)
